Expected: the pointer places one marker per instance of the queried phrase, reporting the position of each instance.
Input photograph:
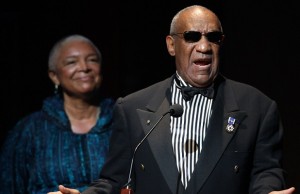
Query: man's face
(196, 54)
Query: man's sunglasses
(195, 36)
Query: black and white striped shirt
(189, 130)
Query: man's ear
(170, 45)
(221, 42)
(52, 75)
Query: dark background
(261, 49)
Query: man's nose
(203, 45)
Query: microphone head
(176, 110)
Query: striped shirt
(189, 130)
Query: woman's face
(78, 69)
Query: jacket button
(236, 168)
(142, 167)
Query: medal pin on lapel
(230, 125)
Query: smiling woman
(75, 65)
(67, 140)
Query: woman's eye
(70, 62)
(93, 59)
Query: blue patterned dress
(42, 152)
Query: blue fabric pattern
(42, 152)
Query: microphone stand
(127, 188)
(176, 111)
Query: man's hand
(286, 191)
(65, 190)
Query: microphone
(175, 110)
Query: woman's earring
(56, 89)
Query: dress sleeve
(13, 160)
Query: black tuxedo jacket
(245, 160)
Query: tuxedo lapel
(217, 137)
(160, 138)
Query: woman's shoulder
(27, 121)
(22, 131)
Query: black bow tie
(189, 92)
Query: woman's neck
(82, 115)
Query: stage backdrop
(261, 48)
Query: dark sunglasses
(195, 36)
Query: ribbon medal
(230, 124)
